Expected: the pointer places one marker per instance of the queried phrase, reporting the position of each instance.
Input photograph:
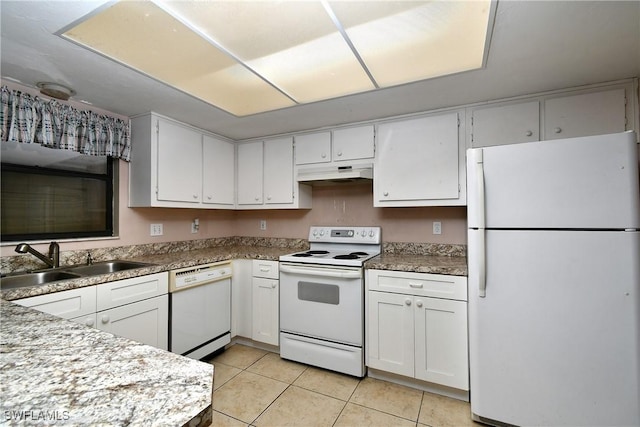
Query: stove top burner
(317, 252)
(359, 253)
(346, 256)
(302, 255)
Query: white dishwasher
(200, 309)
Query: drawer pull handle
(265, 269)
(416, 285)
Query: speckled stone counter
(450, 265)
(162, 261)
(421, 258)
(53, 371)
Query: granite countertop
(53, 371)
(449, 265)
(398, 260)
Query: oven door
(324, 302)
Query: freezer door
(578, 183)
(556, 340)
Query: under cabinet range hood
(335, 174)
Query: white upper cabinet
(265, 176)
(218, 171)
(175, 165)
(505, 124)
(420, 162)
(179, 163)
(313, 148)
(596, 110)
(339, 145)
(250, 172)
(278, 171)
(353, 143)
(594, 113)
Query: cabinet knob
(268, 197)
(385, 194)
(273, 285)
(407, 301)
(419, 303)
(324, 155)
(257, 198)
(528, 133)
(339, 153)
(104, 319)
(209, 197)
(195, 197)
(88, 321)
(557, 130)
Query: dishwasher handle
(322, 272)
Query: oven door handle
(345, 274)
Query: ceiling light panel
(407, 41)
(146, 38)
(294, 45)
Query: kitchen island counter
(54, 371)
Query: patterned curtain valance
(32, 120)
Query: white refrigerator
(554, 282)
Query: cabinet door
(218, 171)
(353, 143)
(417, 160)
(278, 171)
(250, 173)
(65, 304)
(595, 113)
(390, 333)
(313, 148)
(265, 310)
(505, 124)
(179, 163)
(145, 321)
(441, 347)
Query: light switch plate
(263, 224)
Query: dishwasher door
(200, 315)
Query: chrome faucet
(53, 260)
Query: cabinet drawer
(266, 269)
(65, 304)
(421, 284)
(121, 292)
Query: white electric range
(322, 298)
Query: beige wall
(346, 204)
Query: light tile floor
(258, 388)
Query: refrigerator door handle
(480, 217)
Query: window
(69, 199)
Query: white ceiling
(536, 46)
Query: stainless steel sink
(35, 279)
(105, 267)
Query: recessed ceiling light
(251, 57)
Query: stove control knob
(371, 233)
(363, 233)
(322, 232)
(315, 232)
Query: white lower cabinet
(136, 308)
(265, 302)
(411, 330)
(144, 321)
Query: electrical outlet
(437, 227)
(156, 229)
(263, 224)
